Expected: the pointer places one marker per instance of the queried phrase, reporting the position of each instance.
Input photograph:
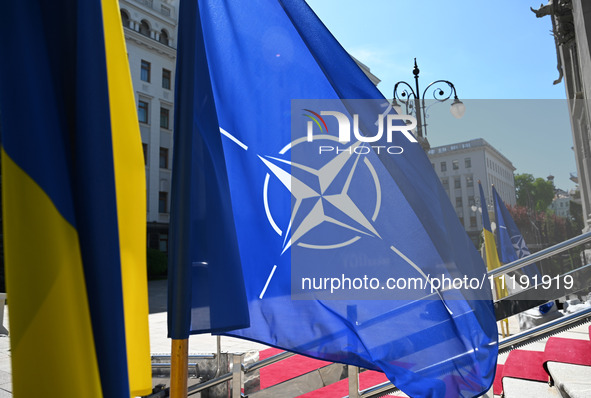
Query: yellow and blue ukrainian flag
(492, 257)
(74, 203)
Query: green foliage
(157, 264)
(544, 229)
(533, 193)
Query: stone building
(460, 166)
(571, 26)
(150, 28)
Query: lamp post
(414, 102)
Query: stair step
(286, 369)
(520, 388)
(573, 381)
(563, 350)
(340, 389)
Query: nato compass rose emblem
(322, 193)
(336, 195)
(520, 246)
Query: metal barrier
(542, 254)
(236, 375)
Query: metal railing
(542, 254)
(237, 369)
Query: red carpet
(340, 389)
(527, 365)
(577, 352)
(498, 383)
(298, 365)
(286, 369)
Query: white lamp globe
(458, 109)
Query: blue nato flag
(512, 246)
(267, 191)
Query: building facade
(561, 205)
(459, 168)
(150, 28)
(571, 25)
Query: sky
(498, 55)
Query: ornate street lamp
(415, 104)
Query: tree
(534, 193)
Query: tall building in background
(571, 26)
(460, 166)
(150, 28)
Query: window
(467, 163)
(162, 202)
(163, 242)
(145, 148)
(165, 10)
(457, 183)
(455, 165)
(142, 111)
(145, 71)
(445, 182)
(473, 221)
(461, 220)
(164, 37)
(124, 19)
(163, 158)
(443, 166)
(469, 181)
(145, 28)
(164, 118)
(166, 79)
(471, 201)
(459, 201)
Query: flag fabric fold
(242, 72)
(492, 258)
(74, 205)
(490, 246)
(206, 288)
(512, 246)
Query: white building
(150, 28)
(561, 206)
(561, 203)
(460, 166)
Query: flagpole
(179, 368)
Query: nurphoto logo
(389, 123)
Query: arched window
(125, 19)
(164, 37)
(145, 28)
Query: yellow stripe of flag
(130, 184)
(49, 314)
